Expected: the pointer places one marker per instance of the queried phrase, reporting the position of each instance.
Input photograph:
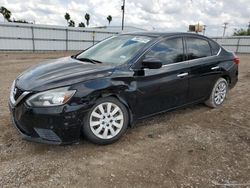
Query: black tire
(89, 134)
(211, 102)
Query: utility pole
(204, 29)
(123, 11)
(225, 27)
(198, 27)
(248, 30)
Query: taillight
(236, 60)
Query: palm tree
(6, 13)
(109, 18)
(67, 17)
(71, 23)
(87, 18)
(81, 24)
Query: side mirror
(151, 63)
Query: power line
(231, 25)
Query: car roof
(163, 34)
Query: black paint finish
(143, 91)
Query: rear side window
(168, 51)
(215, 47)
(197, 48)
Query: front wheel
(218, 94)
(106, 121)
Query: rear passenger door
(204, 67)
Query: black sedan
(103, 90)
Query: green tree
(109, 18)
(67, 17)
(241, 32)
(71, 23)
(6, 13)
(87, 18)
(81, 24)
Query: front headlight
(54, 97)
(12, 88)
(12, 100)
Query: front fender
(123, 89)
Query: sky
(158, 15)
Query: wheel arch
(121, 90)
(227, 78)
(123, 101)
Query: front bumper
(50, 125)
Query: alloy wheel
(106, 120)
(220, 93)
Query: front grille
(17, 93)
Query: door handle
(182, 74)
(215, 68)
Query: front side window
(167, 51)
(115, 50)
(197, 48)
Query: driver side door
(164, 88)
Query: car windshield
(115, 50)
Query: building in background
(126, 29)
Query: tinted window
(197, 48)
(168, 51)
(215, 47)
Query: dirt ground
(191, 147)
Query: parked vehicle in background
(102, 91)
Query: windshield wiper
(73, 56)
(87, 59)
(96, 61)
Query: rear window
(197, 48)
(168, 51)
(215, 47)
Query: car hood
(60, 72)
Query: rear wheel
(218, 94)
(106, 121)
